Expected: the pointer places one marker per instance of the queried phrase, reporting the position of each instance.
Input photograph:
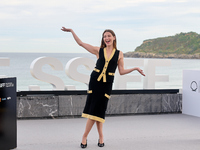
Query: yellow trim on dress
(93, 117)
(111, 74)
(107, 60)
(97, 70)
(89, 91)
(106, 95)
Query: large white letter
(4, 62)
(36, 71)
(121, 81)
(149, 70)
(72, 65)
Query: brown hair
(103, 45)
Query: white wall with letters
(191, 92)
(70, 69)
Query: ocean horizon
(20, 68)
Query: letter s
(36, 71)
(72, 65)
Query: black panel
(8, 125)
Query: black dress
(100, 86)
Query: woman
(100, 85)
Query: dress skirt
(97, 100)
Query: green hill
(179, 46)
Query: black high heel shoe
(100, 144)
(84, 145)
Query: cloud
(77, 6)
(6, 39)
(46, 9)
(38, 22)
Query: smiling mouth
(107, 42)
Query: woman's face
(108, 39)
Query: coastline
(153, 55)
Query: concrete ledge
(50, 106)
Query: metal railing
(114, 92)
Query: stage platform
(133, 132)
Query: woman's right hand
(66, 29)
(92, 49)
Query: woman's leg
(88, 127)
(100, 131)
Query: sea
(20, 68)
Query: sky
(35, 25)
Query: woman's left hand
(140, 71)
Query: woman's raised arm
(92, 49)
